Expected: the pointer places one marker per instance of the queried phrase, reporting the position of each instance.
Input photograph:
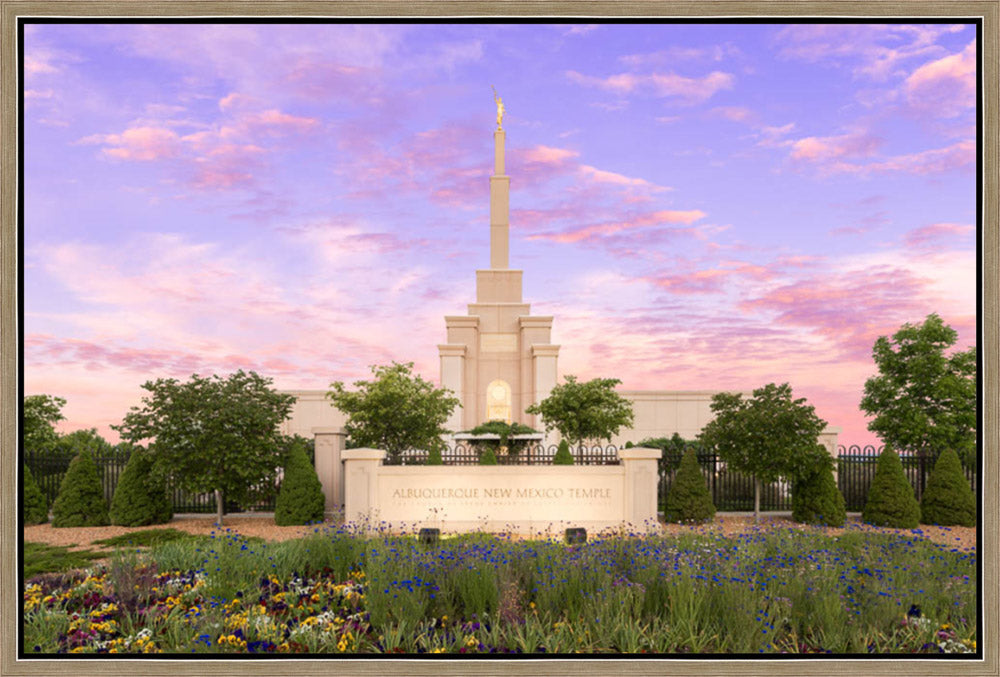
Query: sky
(700, 207)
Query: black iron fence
(532, 454)
(731, 491)
(856, 469)
(856, 465)
(49, 467)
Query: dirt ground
(729, 524)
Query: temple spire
(499, 203)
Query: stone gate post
(641, 478)
(361, 484)
(329, 448)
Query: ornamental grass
(338, 592)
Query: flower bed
(336, 592)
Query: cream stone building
(499, 359)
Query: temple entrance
(498, 401)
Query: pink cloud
(957, 156)
(875, 51)
(142, 144)
(849, 310)
(690, 90)
(733, 113)
(601, 230)
(613, 178)
(935, 235)
(944, 87)
(546, 155)
(710, 279)
(818, 149)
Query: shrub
(891, 502)
(434, 457)
(504, 430)
(80, 502)
(817, 500)
(487, 457)
(35, 508)
(948, 499)
(140, 499)
(689, 499)
(301, 497)
(563, 457)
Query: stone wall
(528, 500)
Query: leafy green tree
(891, 502)
(80, 502)
(505, 431)
(816, 499)
(768, 436)
(78, 440)
(394, 412)
(301, 497)
(563, 457)
(41, 413)
(434, 457)
(35, 507)
(141, 497)
(948, 499)
(923, 401)
(213, 434)
(487, 457)
(584, 411)
(689, 499)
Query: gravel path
(263, 526)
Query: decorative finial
(500, 108)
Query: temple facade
(498, 358)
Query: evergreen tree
(948, 500)
(817, 500)
(80, 502)
(301, 497)
(487, 457)
(434, 457)
(891, 502)
(35, 508)
(563, 457)
(689, 499)
(140, 498)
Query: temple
(498, 359)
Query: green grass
(40, 558)
(335, 591)
(146, 537)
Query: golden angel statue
(500, 108)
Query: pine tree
(817, 500)
(301, 497)
(948, 500)
(35, 508)
(563, 457)
(487, 457)
(434, 457)
(891, 502)
(689, 499)
(140, 498)
(80, 502)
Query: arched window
(498, 401)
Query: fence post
(828, 438)
(641, 478)
(361, 471)
(329, 447)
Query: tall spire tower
(499, 207)
(498, 359)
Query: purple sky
(700, 207)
